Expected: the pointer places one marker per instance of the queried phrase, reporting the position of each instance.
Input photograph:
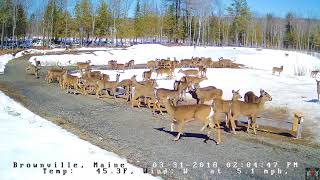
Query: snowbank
(28, 138)
(4, 59)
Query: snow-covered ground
(297, 93)
(4, 59)
(29, 139)
(264, 59)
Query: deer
(54, 75)
(186, 113)
(83, 66)
(225, 62)
(130, 64)
(250, 97)
(103, 84)
(205, 94)
(277, 69)
(162, 94)
(185, 62)
(146, 75)
(191, 80)
(318, 88)
(223, 106)
(165, 71)
(151, 64)
(112, 64)
(89, 81)
(127, 85)
(183, 86)
(203, 71)
(70, 82)
(189, 72)
(33, 70)
(145, 90)
(250, 110)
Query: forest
(185, 22)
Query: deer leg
(114, 93)
(159, 108)
(233, 125)
(227, 120)
(249, 123)
(172, 126)
(218, 134)
(254, 124)
(180, 128)
(204, 126)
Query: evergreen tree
(241, 15)
(289, 31)
(103, 20)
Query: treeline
(191, 22)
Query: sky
(279, 8)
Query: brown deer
(224, 63)
(127, 85)
(192, 81)
(120, 67)
(103, 85)
(277, 69)
(70, 82)
(203, 71)
(112, 64)
(83, 66)
(165, 71)
(186, 113)
(189, 72)
(205, 94)
(183, 86)
(250, 97)
(223, 106)
(130, 64)
(162, 94)
(33, 70)
(54, 75)
(250, 110)
(145, 90)
(151, 64)
(146, 75)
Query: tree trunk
(2, 34)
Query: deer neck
(261, 103)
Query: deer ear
(238, 90)
(233, 91)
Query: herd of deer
(159, 99)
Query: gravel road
(145, 140)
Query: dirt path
(145, 140)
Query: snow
(28, 138)
(296, 93)
(145, 52)
(4, 59)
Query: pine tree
(289, 32)
(241, 15)
(21, 21)
(169, 22)
(103, 20)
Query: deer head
(236, 95)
